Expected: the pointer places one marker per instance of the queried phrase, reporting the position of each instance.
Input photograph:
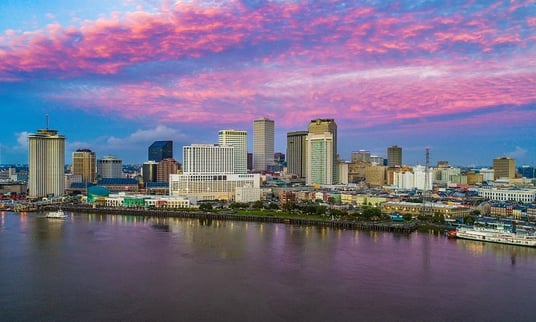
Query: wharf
(201, 215)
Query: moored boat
(497, 233)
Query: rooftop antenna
(46, 116)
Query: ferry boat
(497, 233)
(56, 214)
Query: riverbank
(229, 215)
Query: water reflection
(500, 251)
(154, 268)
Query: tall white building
(109, 167)
(320, 158)
(239, 141)
(415, 179)
(263, 143)
(208, 158)
(46, 152)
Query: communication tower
(427, 190)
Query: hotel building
(208, 158)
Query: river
(132, 268)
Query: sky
(458, 77)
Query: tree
(407, 216)
(469, 220)
(257, 204)
(369, 212)
(289, 207)
(205, 206)
(321, 210)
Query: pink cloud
(295, 61)
(109, 44)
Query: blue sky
(114, 76)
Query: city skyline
(115, 77)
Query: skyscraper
(239, 141)
(263, 143)
(322, 139)
(160, 150)
(504, 167)
(84, 164)
(320, 159)
(46, 152)
(109, 167)
(208, 158)
(297, 153)
(394, 156)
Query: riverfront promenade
(228, 215)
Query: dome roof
(98, 191)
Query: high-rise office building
(208, 158)
(504, 167)
(320, 159)
(84, 164)
(318, 130)
(109, 167)
(394, 156)
(239, 141)
(165, 168)
(297, 153)
(160, 150)
(263, 143)
(46, 152)
(149, 171)
(526, 171)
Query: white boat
(56, 214)
(497, 233)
